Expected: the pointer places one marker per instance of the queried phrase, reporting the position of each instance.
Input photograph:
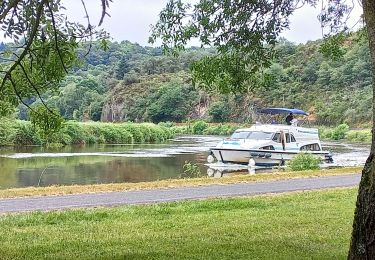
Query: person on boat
(289, 119)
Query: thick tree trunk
(363, 237)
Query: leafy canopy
(42, 50)
(243, 32)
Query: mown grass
(173, 183)
(305, 225)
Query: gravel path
(175, 194)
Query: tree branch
(7, 76)
(56, 39)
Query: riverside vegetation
(18, 132)
(76, 133)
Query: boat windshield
(254, 135)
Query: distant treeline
(134, 83)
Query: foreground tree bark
(363, 237)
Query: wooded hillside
(129, 82)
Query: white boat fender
(251, 163)
(210, 172)
(210, 158)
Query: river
(72, 165)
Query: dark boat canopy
(281, 110)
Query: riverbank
(297, 225)
(339, 133)
(17, 132)
(174, 183)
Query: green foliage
(43, 48)
(171, 102)
(339, 132)
(241, 49)
(359, 136)
(219, 112)
(304, 161)
(199, 127)
(191, 170)
(208, 129)
(46, 121)
(74, 133)
(26, 134)
(334, 92)
(332, 46)
(167, 124)
(7, 128)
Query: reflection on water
(30, 166)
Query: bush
(219, 112)
(7, 128)
(75, 131)
(359, 136)
(26, 134)
(135, 131)
(325, 133)
(191, 170)
(340, 131)
(304, 161)
(167, 124)
(199, 127)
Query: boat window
(256, 135)
(292, 138)
(240, 135)
(287, 137)
(276, 138)
(310, 147)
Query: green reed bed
(305, 225)
(23, 133)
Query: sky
(131, 19)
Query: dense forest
(129, 82)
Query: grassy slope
(61, 190)
(306, 225)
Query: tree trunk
(363, 237)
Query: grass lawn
(304, 225)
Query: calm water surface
(37, 166)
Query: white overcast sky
(131, 19)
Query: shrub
(26, 134)
(136, 132)
(199, 127)
(75, 131)
(167, 124)
(219, 112)
(340, 131)
(7, 128)
(190, 170)
(359, 136)
(325, 133)
(304, 161)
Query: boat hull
(266, 158)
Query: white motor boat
(268, 144)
